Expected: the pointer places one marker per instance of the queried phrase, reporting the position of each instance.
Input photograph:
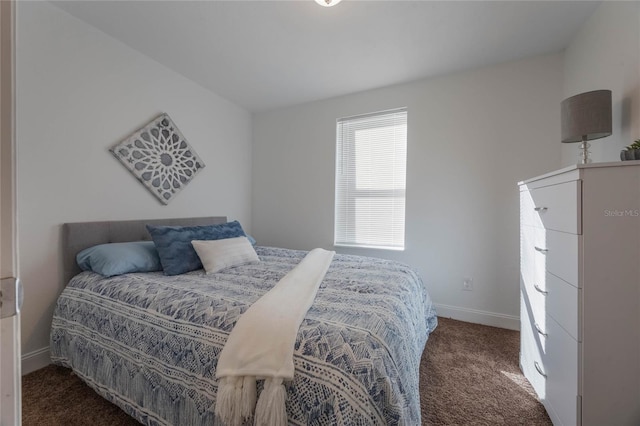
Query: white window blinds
(371, 162)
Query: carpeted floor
(469, 375)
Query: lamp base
(584, 152)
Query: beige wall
(79, 92)
(471, 137)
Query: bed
(149, 343)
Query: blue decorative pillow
(120, 258)
(173, 243)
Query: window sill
(369, 247)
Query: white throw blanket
(261, 344)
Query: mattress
(149, 343)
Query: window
(371, 162)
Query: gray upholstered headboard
(79, 236)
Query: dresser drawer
(563, 304)
(556, 298)
(532, 262)
(561, 367)
(531, 351)
(543, 250)
(535, 304)
(561, 256)
(555, 207)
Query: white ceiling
(268, 54)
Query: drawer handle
(540, 330)
(540, 209)
(540, 290)
(535, 363)
(541, 250)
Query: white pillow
(216, 255)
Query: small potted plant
(632, 152)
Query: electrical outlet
(467, 284)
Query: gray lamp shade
(586, 116)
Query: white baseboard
(35, 360)
(478, 317)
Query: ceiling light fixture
(328, 3)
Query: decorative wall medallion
(160, 157)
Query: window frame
(349, 217)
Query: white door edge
(10, 362)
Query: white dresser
(580, 292)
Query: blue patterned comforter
(149, 343)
